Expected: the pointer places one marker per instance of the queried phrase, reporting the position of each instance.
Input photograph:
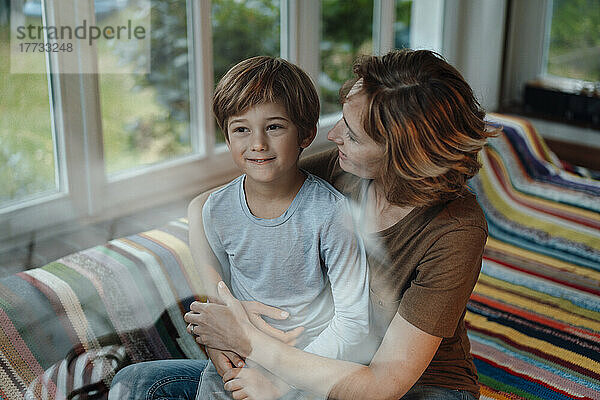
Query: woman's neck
(380, 213)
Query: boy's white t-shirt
(309, 261)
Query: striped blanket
(533, 319)
(131, 292)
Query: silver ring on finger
(191, 328)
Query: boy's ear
(308, 140)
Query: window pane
(145, 117)
(243, 29)
(27, 164)
(574, 45)
(347, 31)
(402, 24)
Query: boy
(278, 235)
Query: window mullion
(289, 30)
(77, 112)
(55, 88)
(384, 16)
(308, 37)
(91, 116)
(201, 77)
(428, 28)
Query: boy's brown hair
(265, 79)
(425, 115)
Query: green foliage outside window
(574, 48)
(347, 30)
(240, 30)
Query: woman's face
(358, 153)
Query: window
(234, 42)
(345, 34)
(109, 137)
(402, 24)
(28, 167)
(573, 40)
(145, 116)
(554, 44)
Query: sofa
(533, 319)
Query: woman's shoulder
(321, 164)
(325, 165)
(463, 212)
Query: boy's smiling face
(263, 142)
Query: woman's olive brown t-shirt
(424, 268)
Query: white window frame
(526, 49)
(88, 195)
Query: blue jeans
(178, 380)
(158, 380)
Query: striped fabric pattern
(534, 317)
(135, 290)
(65, 377)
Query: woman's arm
(399, 362)
(401, 359)
(446, 274)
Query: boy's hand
(254, 309)
(254, 384)
(224, 360)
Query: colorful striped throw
(534, 317)
(135, 289)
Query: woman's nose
(334, 133)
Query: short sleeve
(444, 280)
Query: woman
(406, 145)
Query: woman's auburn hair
(425, 115)
(265, 79)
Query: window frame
(526, 46)
(86, 193)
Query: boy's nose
(334, 133)
(258, 143)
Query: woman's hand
(224, 327)
(254, 309)
(251, 383)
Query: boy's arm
(209, 266)
(210, 272)
(346, 261)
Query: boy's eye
(240, 129)
(274, 127)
